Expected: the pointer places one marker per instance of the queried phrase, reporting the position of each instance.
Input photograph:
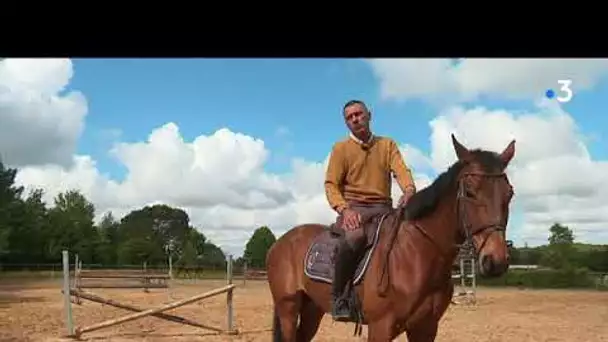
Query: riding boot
(345, 266)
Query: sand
(35, 312)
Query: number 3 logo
(566, 90)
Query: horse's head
(484, 195)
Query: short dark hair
(353, 102)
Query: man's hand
(350, 220)
(405, 197)
(403, 201)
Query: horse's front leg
(426, 332)
(383, 330)
(425, 328)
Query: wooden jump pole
(133, 308)
(93, 274)
(80, 330)
(140, 312)
(144, 275)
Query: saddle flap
(321, 255)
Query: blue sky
(294, 106)
(257, 97)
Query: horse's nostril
(486, 263)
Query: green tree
(257, 247)
(213, 256)
(72, 226)
(30, 236)
(137, 249)
(596, 259)
(193, 249)
(10, 201)
(560, 235)
(148, 233)
(108, 239)
(198, 240)
(560, 252)
(208, 254)
(189, 257)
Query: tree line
(561, 263)
(32, 232)
(563, 252)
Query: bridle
(466, 227)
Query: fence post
(170, 267)
(463, 274)
(245, 273)
(229, 294)
(66, 292)
(76, 264)
(145, 280)
(474, 280)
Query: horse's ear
(461, 152)
(508, 153)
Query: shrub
(548, 279)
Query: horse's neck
(442, 225)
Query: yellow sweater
(357, 174)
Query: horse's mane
(426, 200)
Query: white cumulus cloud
(554, 177)
(40, 124)
(468, 79)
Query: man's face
(357, 118)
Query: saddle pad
(320, 257)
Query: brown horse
(407, 265)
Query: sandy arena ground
(36, 314)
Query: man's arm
(333, 179)
(402, 173)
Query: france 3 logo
(564, 93)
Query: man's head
(357, 117)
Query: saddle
(320, 257)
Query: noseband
(465, 225)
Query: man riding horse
(358, 187)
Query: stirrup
(345, 312)
(341, 316)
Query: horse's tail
(277, 334)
